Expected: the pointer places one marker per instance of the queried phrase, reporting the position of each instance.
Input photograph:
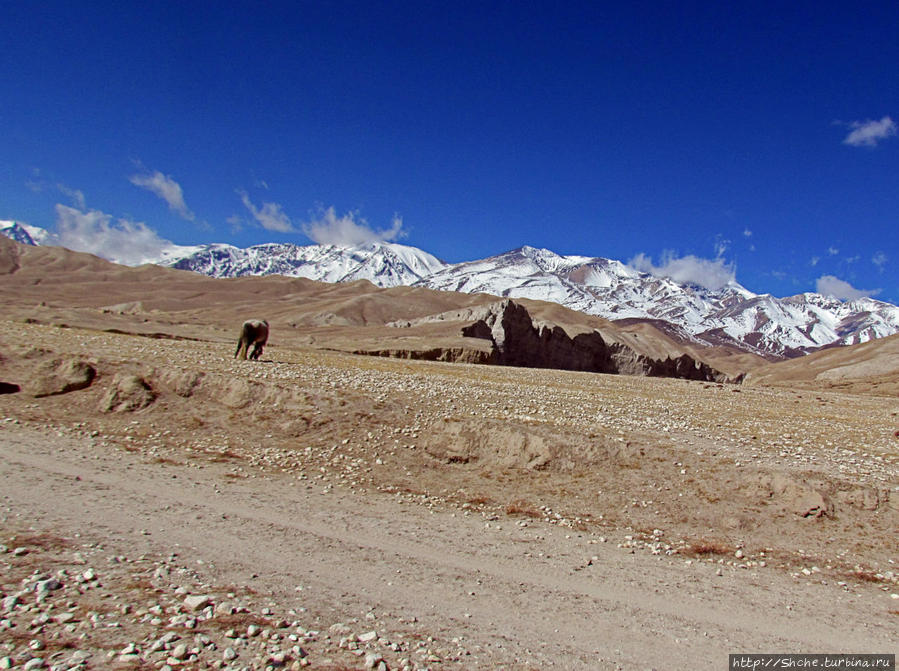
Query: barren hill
(54, 285)
(868, 368)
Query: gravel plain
(182, 509)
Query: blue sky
(757, 139)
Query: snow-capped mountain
(27, 235)
(383, 264)
(730, 315)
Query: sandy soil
(362, 511)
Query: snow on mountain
(27, 235)
(731, 315)
(383, 264)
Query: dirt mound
(495, 443)
(127, 394)
(503, 444)
(801, 498)
(61, 377)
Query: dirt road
(491, 592)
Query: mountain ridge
(729, 315)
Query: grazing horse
(253, 332)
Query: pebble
(198, 602)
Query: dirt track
(509, 594)
(364, 482)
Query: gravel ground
(325, 510)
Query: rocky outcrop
(519, 341)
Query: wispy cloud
(38, 185)
(329, 229)
(270, 216)
(880, 260)
(747, 233)
(76, 195)
(840, 289)
(833, 251)
(869, 133)
(722, 244)
(166, 188)
(235, 222)
(120, 241)
(712, 274)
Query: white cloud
(329, 229)
(712, 274)
(833, 251)
(814, 261)
(840, 289)
(869, 133)
(747, 233)
(122, 241)
(271, 216)
(166, 188)
(880, 260)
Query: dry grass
(706, 548)
(863, 575)
(41, 541)
(521, 508)
(142, 585)
(167, 461)
(224, 457)
(238, 621)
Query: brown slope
(868, 368)
(56, 285)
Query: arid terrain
(167, 505)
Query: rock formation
(519, 341)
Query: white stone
(197, 602)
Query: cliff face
(518, 341)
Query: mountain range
(729, 316)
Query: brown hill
(56, 285)
(868, 368)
